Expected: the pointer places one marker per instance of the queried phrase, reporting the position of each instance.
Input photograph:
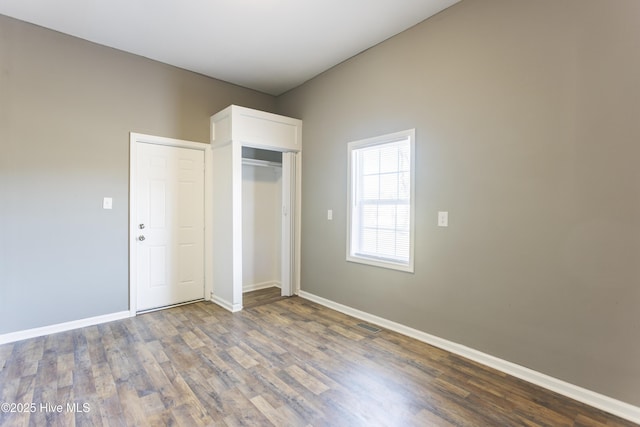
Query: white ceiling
(268, 45)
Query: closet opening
(261, 219)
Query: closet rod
(264, 163)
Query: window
(380, 226)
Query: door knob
(141, 238)
(141, 226)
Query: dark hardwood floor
(281, 361)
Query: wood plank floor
(281, 362)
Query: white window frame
(352, 169)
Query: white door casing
(289, 208)
(168, 198)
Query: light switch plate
(107, 203)
(330, 214)
(443, 219)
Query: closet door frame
(289, 233)
(231, 129)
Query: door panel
(170, 201)
(158, 259)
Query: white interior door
(170, 225)
(287, 270)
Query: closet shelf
(264, 163)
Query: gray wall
(528, 133)
(66, 109)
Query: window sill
(390, 265)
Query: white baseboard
(258, 286)
(591, 398)
(62, 327)
(226, 304)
